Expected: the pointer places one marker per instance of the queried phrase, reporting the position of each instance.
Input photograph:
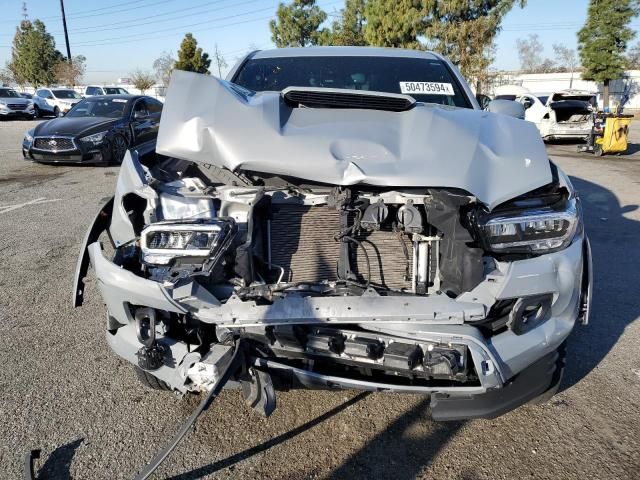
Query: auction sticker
(429, 88)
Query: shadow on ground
(398, 452)
(616, 265)
(58, 464)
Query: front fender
(99, 225)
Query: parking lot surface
(65, 392)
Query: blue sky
(119, 36)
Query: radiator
(303, 244)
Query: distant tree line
(464, 31)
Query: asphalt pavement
(65, 392)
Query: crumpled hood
(493, 157)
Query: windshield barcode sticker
(429, 88)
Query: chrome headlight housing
(95, 138)
(28, 136)
(3, 106)
(203, 241)
(535, 231)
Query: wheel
(150, 381)
(36, 112)
(597, 150)
(118, 149)
(56, 112)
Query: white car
(56, 101)
(95, 90)
(560, 115)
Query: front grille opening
(54, 144)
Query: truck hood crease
(491, 156)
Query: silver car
(346, 218)
(13, 105)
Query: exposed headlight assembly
(203, 241)
(537, 231)
(95, 138)
(29, 136)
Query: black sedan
(96, 130)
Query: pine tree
(395, 24)
(34, 56)
(191, 58)
(464, 31)
(603, 40)
(298, 24)
(349, 30)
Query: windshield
(115, 91)
(66, 94)
(111, 108)
(413, 76)
(8, 93)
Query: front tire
(118, 149)
(150, 381)
(36, 112)
(56, 112)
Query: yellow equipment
(609, 134)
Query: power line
(153, 22)
(139, 36)
(175, 33)
(76, 15)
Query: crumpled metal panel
(494, 157)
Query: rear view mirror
(507, 107)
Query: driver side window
(140, 109)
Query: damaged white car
(561, 115)
(353, 220)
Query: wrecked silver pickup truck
(353, 217)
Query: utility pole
(25, 14)
(66, 35)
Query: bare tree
(143, 81)
(70, 73)
(6, 77)
(530, 51)
(633, 57)
(566, 59)
(219, 59)
(163, 65)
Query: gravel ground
(64, 391)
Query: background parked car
(56, 101)
(13, 105)
(565, 114)
(96, 130)
(93, 90)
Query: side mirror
(507, 107)
(483, 100)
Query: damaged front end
(421, 290)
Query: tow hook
(151, 354)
